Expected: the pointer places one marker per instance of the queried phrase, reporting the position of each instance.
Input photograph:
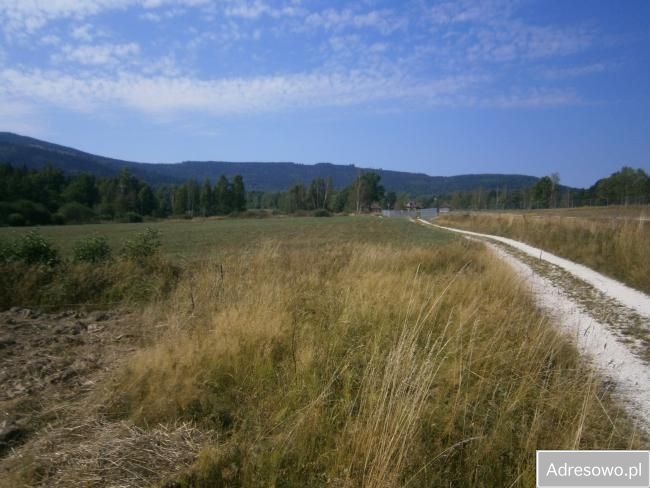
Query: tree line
(49, 196)
(624, 187)
(361, 195)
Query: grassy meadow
(197, 238)
(630, 212)
(613, 242)
(347, 352)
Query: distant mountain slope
(276, 176)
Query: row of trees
(624, 187)
(320, 194)
(48, 196)
(205, 200)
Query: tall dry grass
(619, 248)
(364, 366)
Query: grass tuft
(365, 366)
(619, 248)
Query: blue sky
(441, 87)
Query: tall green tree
(164, 201)
(47, 186)
(146, 201)
(390, 199)
(82, 189)
(238, 194)
(318, 193)
(542, 192)
(366, 190)
(223, 196)
(296, 198)
(126, 199)
(623, 186)
(179, 201)
(193, 197)
(206, 200)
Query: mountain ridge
(34, 153)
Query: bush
(143, 246)
(33, 248)
(94, 286)
(7, 251)
(76, 213)
(33, 213)
(132, 217)
(16, 220)
(321, 212)
(5, 210)
(249, 214)
(92, 250)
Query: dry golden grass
(619, 248)
(630, 212)
(364, 365)
(100, 453)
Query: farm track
(608, 321)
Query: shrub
(76, 213)
(92, 250)
(5, 210)
(132, 217)
(7, 251)
(249, 214)
(33, 213)
(143, 246)
(321, 212)
(33, 248)
(16, 220)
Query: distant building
(375, 207)
(412, 205)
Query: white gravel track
(593, 338)
(627, 296)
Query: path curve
(594, 337)
(629, 297)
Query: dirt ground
(50, 431)
(47, 360)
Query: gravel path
(608, 321)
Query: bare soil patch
(48, 361)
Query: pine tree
(238, 194)
(205, 198)
(222, 196)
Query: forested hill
(273, 176)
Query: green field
(343, 351)
(205, 237)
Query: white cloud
(385, 21)
(50, 40)
(27, 16)
(257, 8)
(171, 95)
(18, 116)
(448, 54)
(83, 33)
(560, 73)
(536, 98)
(462, 11)
(490, 32)
(515, 41)
(159, 16)
(101, 54)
